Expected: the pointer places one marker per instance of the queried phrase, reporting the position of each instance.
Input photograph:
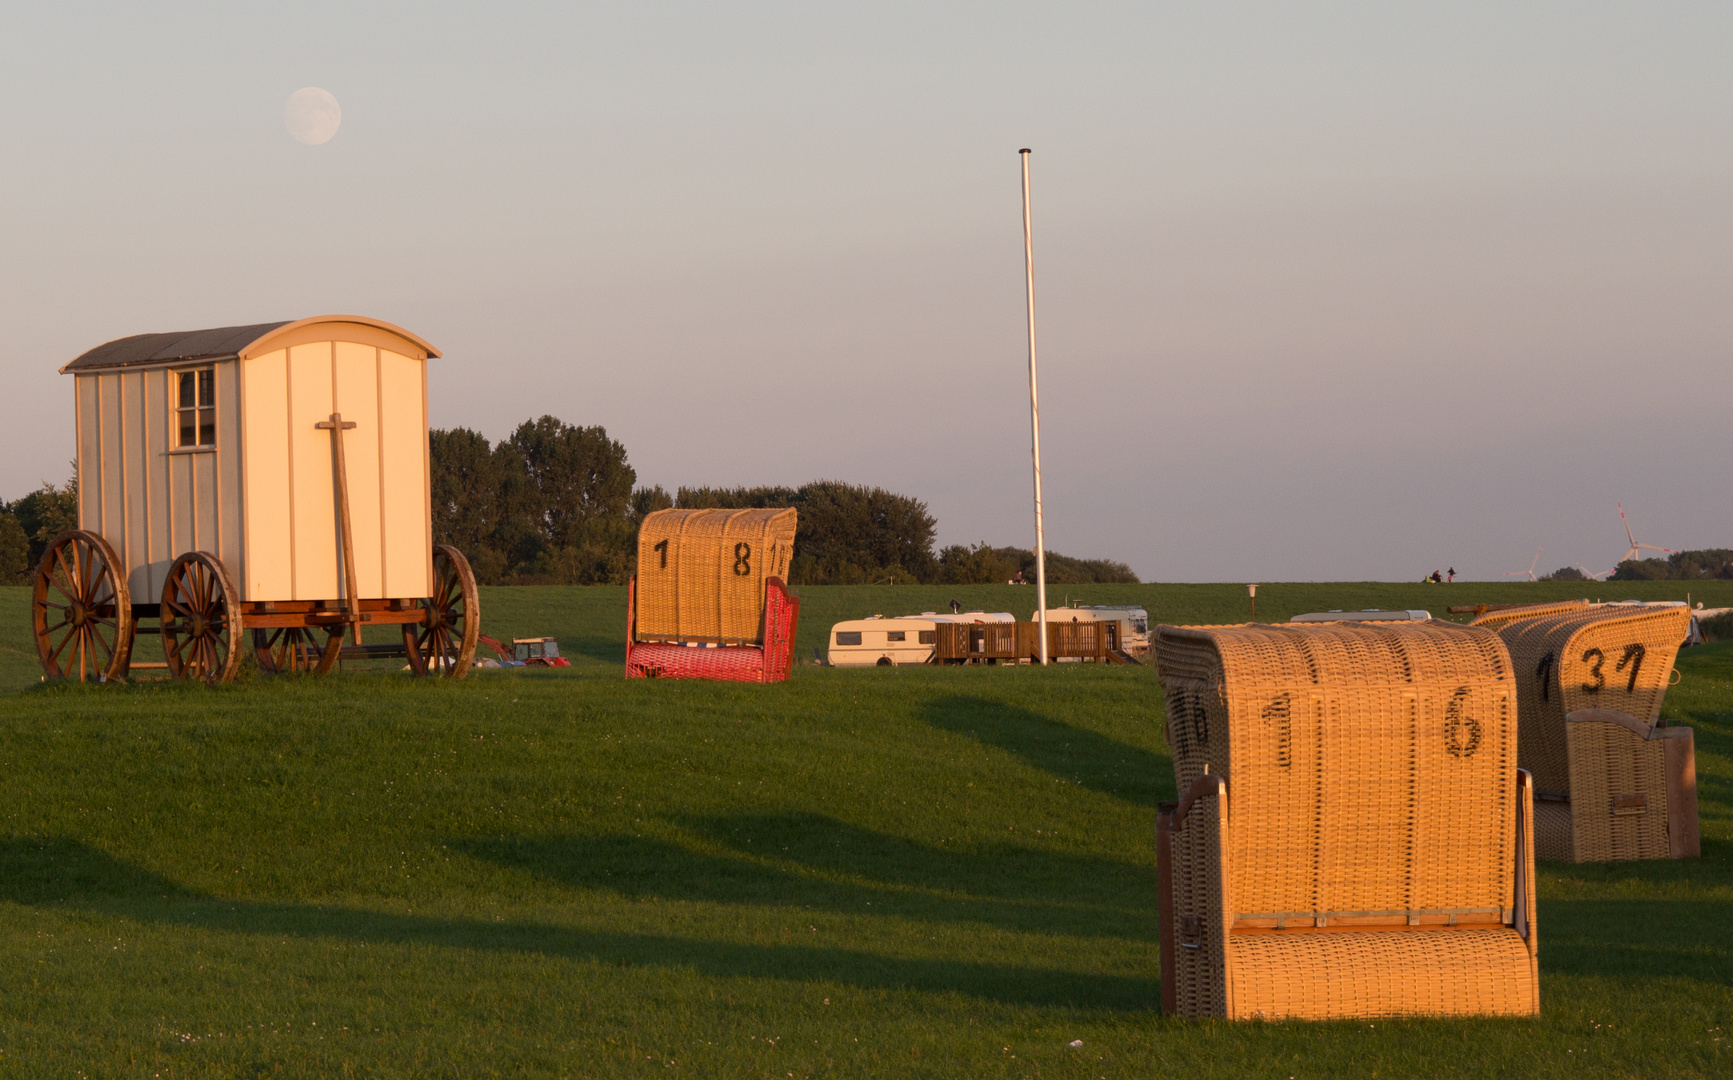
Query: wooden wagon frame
(272, 479)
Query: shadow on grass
(795, 859)
(1075, 754)
(58, 873)
(1637, 938)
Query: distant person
(1018, 580)
(1452, 576)
(1436, 578)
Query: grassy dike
(913, 872)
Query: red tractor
(527, 652)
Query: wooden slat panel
(156, 408)
(357, 368)
(89, 452)
(403, 488)
(229, 509)
(270, 558)
(314, 518)
(113, 494)
(134, 477)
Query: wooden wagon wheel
(201, 620)
(444, 643)
(286, 650)
(81, 610)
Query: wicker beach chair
(710, 599)
(1611, 783)
(1353, 836)
(1498, 617)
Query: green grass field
(857, 873)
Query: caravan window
(196, 407)
(848, 637)
(893, 635)
(929, 637)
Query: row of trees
(28, 524)
(557, 504)
(1679, 566)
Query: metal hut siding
(262, 498)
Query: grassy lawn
(858, 873)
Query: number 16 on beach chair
(1353, 836)
(710, 599)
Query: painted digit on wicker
(1600, 680)
(1634, 653)
(1279, 714)
(1199, 721)
(1457, 724)
(742, 558)
(662, 549)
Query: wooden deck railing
(964, 643)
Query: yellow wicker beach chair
(710, 599)
(1495, 618)
(1353, 836)
(701, 573)
(1610, 782)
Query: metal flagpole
(1034, 422)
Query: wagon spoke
(65, 572)
(86, 569)
(70, 634)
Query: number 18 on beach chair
(1353, 836)
(710, 599)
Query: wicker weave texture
(1203, 909)
(1618, 785)
(1392, 973)
(1212, 966)
(1552, 831)
(1596, 658)
(1493, 620)
(701, 573)
(1373, 767)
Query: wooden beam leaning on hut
(345, 528)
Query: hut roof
(219, 343)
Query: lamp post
(1034, 419)
(1252, 590)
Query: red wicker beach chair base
(766, 662)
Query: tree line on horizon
(554, 503)
(557, 504)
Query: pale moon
(312, 115)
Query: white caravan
(907, 640)
(1133, 623)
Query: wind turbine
(1636, 550)
(1529, 573)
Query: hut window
(196, 408)
(894, 635)
(848, 637)
(929, 637)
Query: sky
(1324, 291)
